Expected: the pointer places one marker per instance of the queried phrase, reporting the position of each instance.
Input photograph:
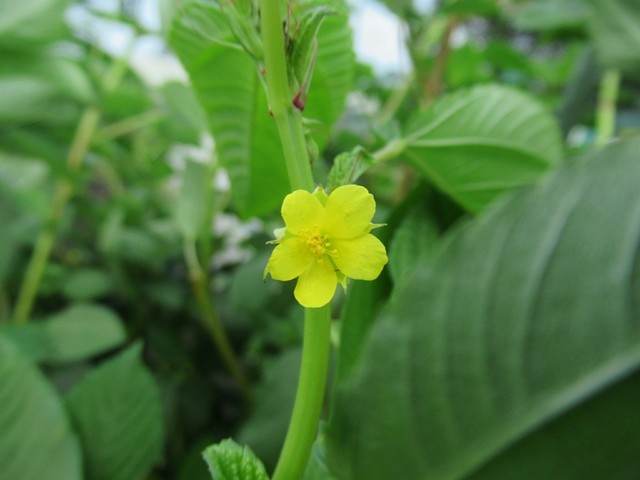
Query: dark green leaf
(36, 441)
(526, 328)
(229, 461)
(265, 430)
(479, 143)
(117, 413)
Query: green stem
(606, 114)
(80, 144)
(309, 397)
(287, 119)
(211, 319)
(44, 242)
(390, 151)
(316, 344)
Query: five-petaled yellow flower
(326, 239)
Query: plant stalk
(606, 113)
(211, 319)
(62, 193)
(303, 426)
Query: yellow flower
(325, 240)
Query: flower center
(317, 243)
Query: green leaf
(23, 24)
(81, 331)
(416, 239)
(479, 143)
(246, 137)
(33, 83)
(37, 441)
(87, 284)
(191, 207)
(117, 412)
(615, 27)
(543, 15)
(348, 167)
(520, 342)
(229, 461)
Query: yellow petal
(316, 286)
(301, 210)
(361, 258)
(349, 211)
(289, 259)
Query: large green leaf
(615, 26)
(117, 413)
(478, 143)
(36, 441)
(227, 84)
(521, 341)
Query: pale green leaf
(117, 412)
(37, 441)
(615, 27)
(229, 461)
(81, 331)
(479, 143)
(518, 351)
(191, 206)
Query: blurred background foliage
(128, 231)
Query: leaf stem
(211, 319)
(309, 396)
(62, 193)
(80, 145)
(606, 113)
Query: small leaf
(87, 284)
(37, 441)
(117, 412)
(229, 461)
(81, 331)
(348, 167)
(479, 143)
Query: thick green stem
(287, 118)
(211, 319)
(309, 397)
(316, 345)
(606, 114)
